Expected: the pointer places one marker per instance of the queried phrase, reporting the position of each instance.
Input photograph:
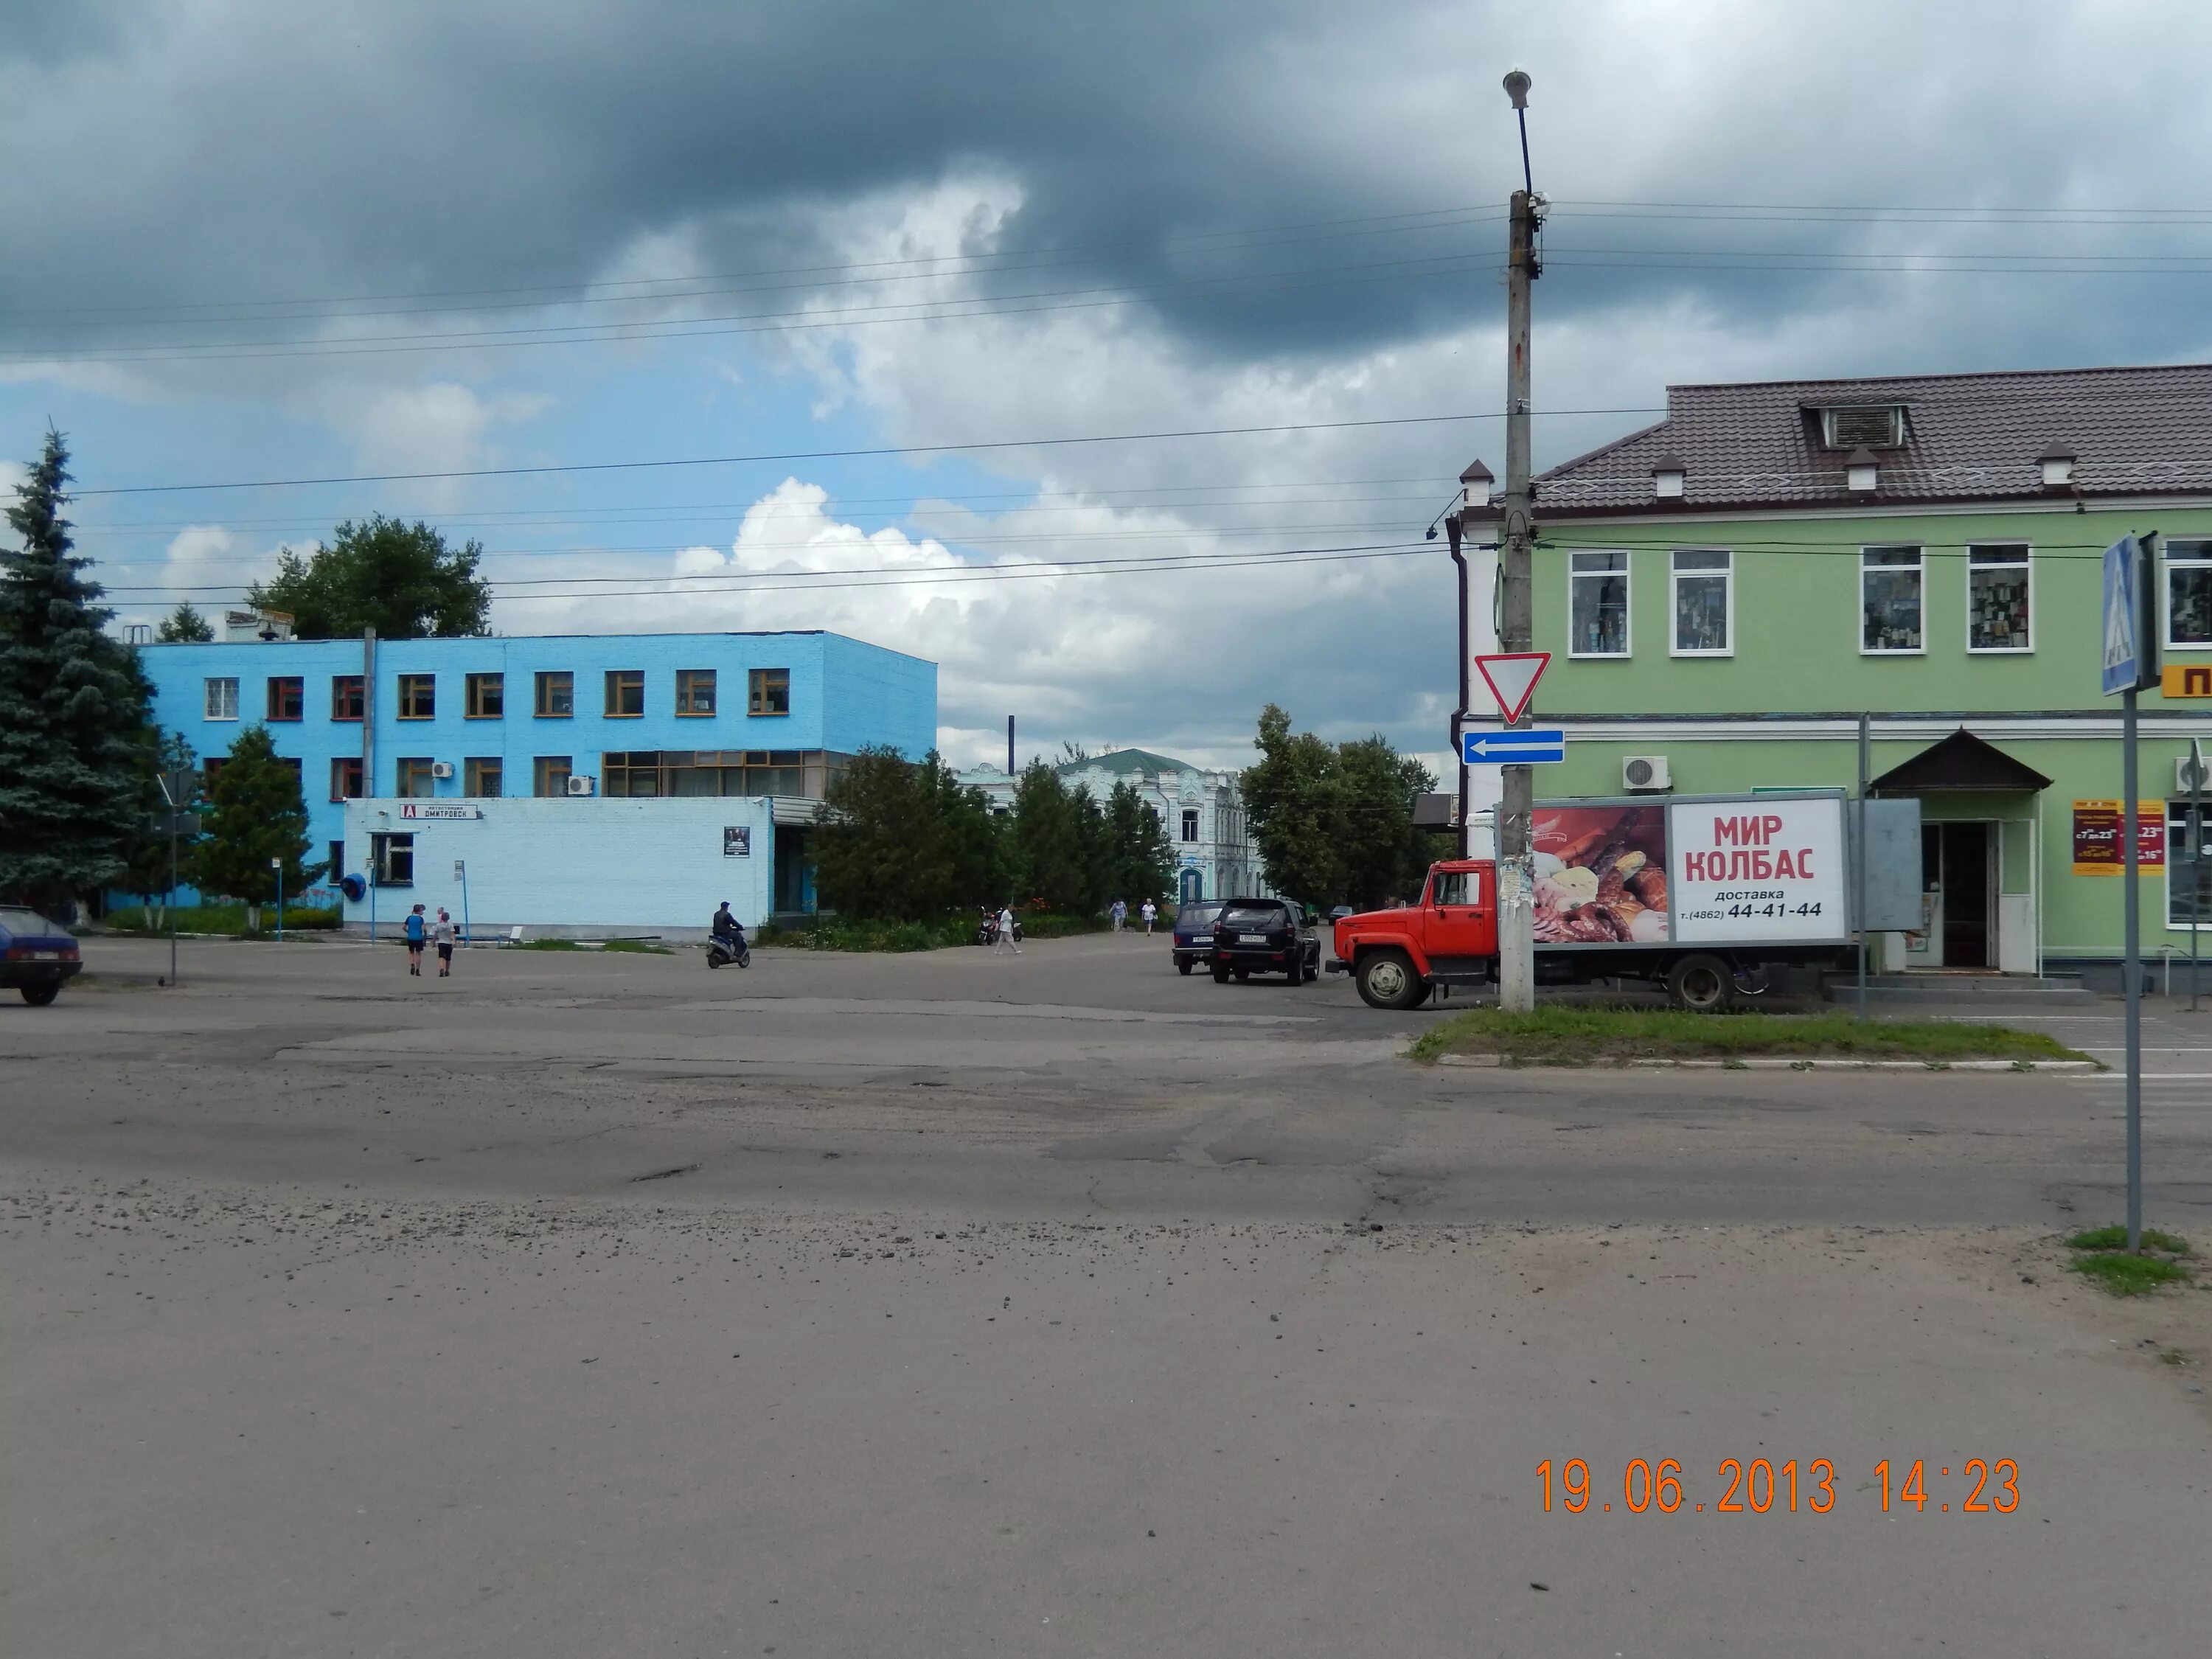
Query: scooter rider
(728, 928)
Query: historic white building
(1200, 808)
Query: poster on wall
(1767, 869)
(2097, 836)
(1600, 874)
(736, 840)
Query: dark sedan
(35, 955)
(1194, 934)
(1265, 936)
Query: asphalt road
(959, 1304)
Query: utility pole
(1516, 873)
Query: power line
(780, 457)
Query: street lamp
(1517, 87)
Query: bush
(226, 919)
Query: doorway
(1958, 906)
(1194, 887)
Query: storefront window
(1889, 599)
(1703, 581)
(1997, 598)
(2189, 593)
(1597, 605)
(2188, 867)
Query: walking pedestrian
(442, 935)
(1120, 912)
(416, 931)
(1006, 938)
(1152, 913)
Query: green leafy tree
(400, 578)
(1334, 823)
(903, 841)
(184, 626)
(73, 709)
(255, 813)
(147, 876)
(1290, 808)
(1058, 843)
(1139, 860)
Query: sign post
(2195, 834)
(461, 875)
(177, 790)
(2130, 663)
(277, 864)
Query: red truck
(1705, 896)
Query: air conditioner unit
(441, 768)
(1643, 773)
(2186, 778)
(580, 784)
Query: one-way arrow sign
(1512, 748)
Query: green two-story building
(1726, 592)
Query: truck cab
(1449, 935)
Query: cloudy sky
(249, 241)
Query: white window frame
(2177, 825)
(2199, 558)
(208, 704)
(2026, 561)
(1858, 611)
(1627, 574)
(1675, 576)
(1192, 824)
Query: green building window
(1997, 598)
(1597, 605)
(2188, 867)
(2188, 593)
(1889, 601)
(1703, 580)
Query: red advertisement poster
(2097, 836)
(1600, 874)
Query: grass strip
(940, 934)
(637, 947)
(1582, 1036)
(545, 944)
(2102, 1256)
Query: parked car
(1194, 934)
(35, 955)
(1265, 936)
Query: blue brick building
(566, 717)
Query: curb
(1776, 1064)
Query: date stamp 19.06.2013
(1759, 1485)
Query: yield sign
(1512, 678)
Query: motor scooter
(721, 951)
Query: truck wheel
(1387, 979)
(1702, 984)
(40, 995)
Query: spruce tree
(255, 812)
(184, 626)
(73, 709)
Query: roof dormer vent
(1864, 426)
(1863, 473)
(2057, 464)
(1666, 476)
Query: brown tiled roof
(1969, 438)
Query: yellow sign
(2187, 679)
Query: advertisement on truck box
(1768, 869)
(1600, 874)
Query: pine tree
(1141, 860)
(184, 626)
(255, 813)
(73, 709)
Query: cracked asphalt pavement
(960, 1304)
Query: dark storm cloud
(178, 153)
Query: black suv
(1265, 936)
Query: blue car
(35, 955)
(1193, 934)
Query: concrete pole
(1516, 876)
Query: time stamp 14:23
(1761, 1486)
